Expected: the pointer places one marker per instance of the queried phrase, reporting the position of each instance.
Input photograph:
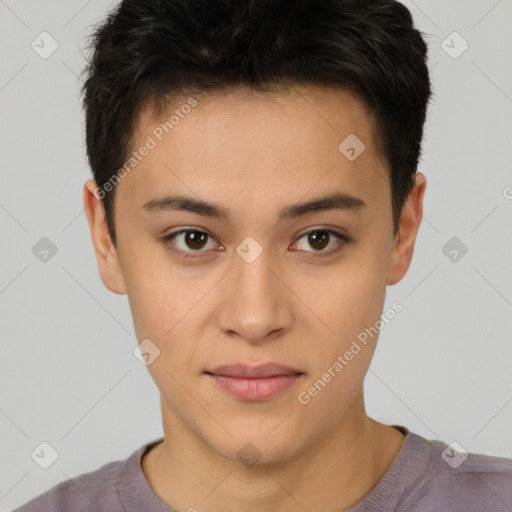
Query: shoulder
(93, 491)
(458, 480)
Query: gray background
(69, 376)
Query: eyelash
(342, 240)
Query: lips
(254, 372)
(254, 383)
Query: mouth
(254, 383)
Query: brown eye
(187, 241)
(320, 239)
(195, 239)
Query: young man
(255, 191)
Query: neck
(186, 474)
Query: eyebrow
(333, 201)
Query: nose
(256, 306)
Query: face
(280, 254)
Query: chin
(255, 446)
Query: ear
(106, 254)
(410, 220)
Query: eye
(319, 239)
(187, 241)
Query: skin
(254, 154)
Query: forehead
(304, 110)
(244, 143)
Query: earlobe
(410, 220)
(106, 254)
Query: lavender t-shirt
(424, 476)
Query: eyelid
(334, 231)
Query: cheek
(350, 306)
(168, 305)
(156, 288)
(351, 298)
(150, 300)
